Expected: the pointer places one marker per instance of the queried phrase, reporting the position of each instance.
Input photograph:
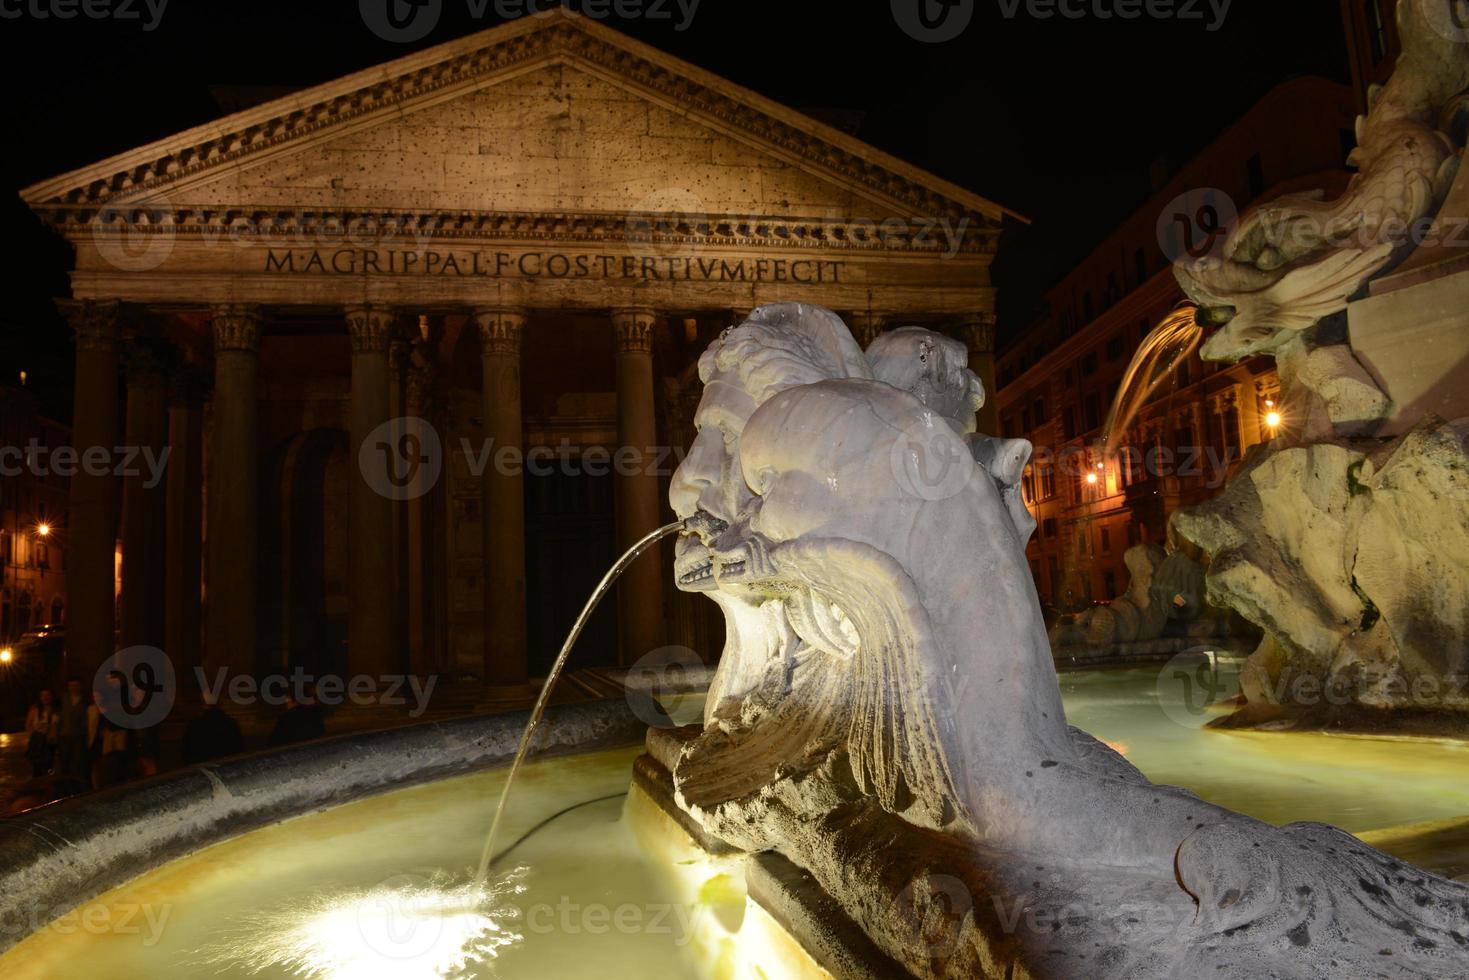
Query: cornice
(327, 228)
(554, 37)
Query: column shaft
(92, 512)
(503, 501)
(370, 548)
(143, 512)
(185, 519)
(640, 592)
(230, 609)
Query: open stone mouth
(703, 573)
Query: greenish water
(1155, 716)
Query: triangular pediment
(553, 114)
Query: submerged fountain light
(406, 928)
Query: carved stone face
(709, 482)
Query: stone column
(370, 545)
(398, 361)
(230, 610)
(640, 592)
(502, 511)
(184, 521)
(978, 333)
(143, 512)
(866, 326)
(420, 578)
(92, 513)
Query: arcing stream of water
(1158, 356)
(528, 736)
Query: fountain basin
(241, 859)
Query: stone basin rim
(57, 857)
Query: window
(1025, 420)
(1048, 528)
(1113, 292)
(1047, 482)
(1038, 411)
(1140, 260)
(1114, 348)
(1230, 420)
(1256, 168)
(1106, 541)
(1068, 422)
(1184, 378)
(1089, 365)
(1087, 310)
(1093, 411)
(1071, 377)
(1109, 583)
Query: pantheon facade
(523, 238)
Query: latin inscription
(549, 265)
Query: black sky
(1054, 118)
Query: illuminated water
(1167, 346)
(1356, 783)
(591, 905)
(487, 855)
(377, 889)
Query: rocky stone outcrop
(1353, 556)
(1165, 593)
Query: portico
(524, 238)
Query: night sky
(1057, 119)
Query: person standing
(43, 726)
(71, 740)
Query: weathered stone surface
(1164, 590)
(887, 716)
(1354, 557)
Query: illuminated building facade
(524, 237)
(1059, 377)
(33, 517)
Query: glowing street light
(1091, 478)
(1273, 420)
(7, 655)
(43, 529)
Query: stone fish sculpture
(886, 713)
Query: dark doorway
(569, 547)
(303, 555)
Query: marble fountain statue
(886, 713)
(1347, 539)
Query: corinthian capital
(95, 322)
(236, 327)
(371, 327)
(978, 332)
(499, 330)
(634, 328)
